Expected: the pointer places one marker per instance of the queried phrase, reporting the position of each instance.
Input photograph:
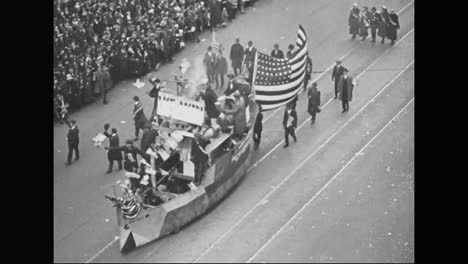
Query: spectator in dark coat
(313, 106)
(138, 116)
(393, 26)
(237, 53)
(277, 53)
(258, 127)
(308, 74)
(220, 69)
(289, 124)
(103, 82)
(113, 153)
(73, 140)
(353, 21)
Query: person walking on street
(336, 74)
(237, 53)
(258, 127)
(138, 116)
(353, 21)
(383, 24)
(154, 93)
(220, 69)
(73, 140)
(113, 151)
(374, 23)
(103, 82)
(276, 52)
(179, 78)
(289, 124)
(148, 138)
(313, 106)
(210, 62)
(308, 74)
(393, 26)
(364, 20)
(345, 89)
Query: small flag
(216, 46)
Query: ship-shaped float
(175, 200)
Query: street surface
(343, 193)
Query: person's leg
(111, 165)
(313, 116)
(286, 137)
(104, 92)
(347, 106)
(293, 134)
(259, 138)
(120, 164)
(70, 153)
(77, 152)
(221, 76)
(215, 76)
(383, 40)
(336, 88)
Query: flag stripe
(274, 95)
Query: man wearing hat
(138, 116)
(313, 106)
(291, 51)
(374, 23)
(276, 52)
(289, 124)
(383, 24)
(199, 157)
(237, 52)
(103, 82)
(336, 74)
(114, 153)
(353, 21)
(393, 26)
(220, 69)
(210, 62)
(73, 140)
(148, 138)
(154, 93)
(249, 53)
(345, 89)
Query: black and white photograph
(233, 131)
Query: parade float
(167, 198)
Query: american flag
(216, 46)
(277, 81)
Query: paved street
(343, 193)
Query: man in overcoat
(345, 89)
(114, 153)
(73, 140)
(220, 69)
(103, 82)
(353, 21)
(210, 97)
(289, 124)
(393, 26)
(258, 127)
(236, 55)
(374, 23)
(383, 24)
(276, 52)
(210, 63)
(138, 116)
(154, 93)
(313, 106)
(336, 74)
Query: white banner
(181, 108)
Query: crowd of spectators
(128, 37)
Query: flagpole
(254, 75)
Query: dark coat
(114, 152)
(237, 53)
(198, 152)
(73, 137)
(286, 117)
(133, 151)
(350, 86)
(290, 54)
(250, 54)
(147, 139)
(277, 54)
(232, 87)
(393, 26)
(308, 68)
(382, 31)
(139, 116)
(210, 63)
(353, 21)
(314, 101)
(337, 72)
(210, 98)
(221, 66)
(103, 81)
